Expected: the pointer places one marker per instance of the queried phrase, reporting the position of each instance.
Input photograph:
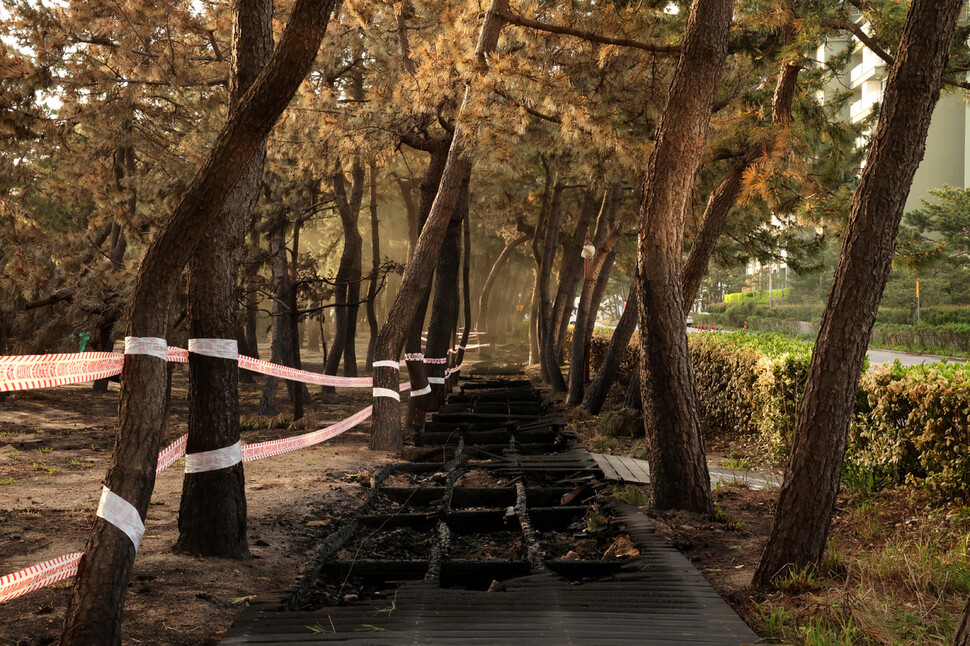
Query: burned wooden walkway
(512, 539)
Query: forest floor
(55, 447)
(896, 570)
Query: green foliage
(759, 296)
(913, 424)
(631, 495)
(750, 385)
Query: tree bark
(547, 254)
(678, 467)
(375, 245)
(808, 498)
(418, 370)
(962, 635)
(94, 612)
(593, 287)
(347, 283)
(444, 306)
(281, 332)
(571, 270)
(482, 321)
(598, 388)
(212, 513)
(466, 291)
(386, 434)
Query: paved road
(887, 356)
(877, 357)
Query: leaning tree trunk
(386, 432)
(444, 306)
(593, 287)
(347, 287)
(671, 419)
(598, 388)
(547, 254)
(962, 635)
(482, 321)
(212, 513)
(571, 270)
(808, 497)
(466, 291)
(94, 612)
(375, 245)
(417, 369)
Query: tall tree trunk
(723, 199)
(535, 305)
(671, 419)
(808, 497)
(94, 612)
(593, 287)
(550, 243)
(466, 291)
(571, 270)
(281, 331)
(444, 306)
(347, 287)
(418, 370)
(482, 322)
(212, 513)
(386, 433)
(249, 344)
(375, 245)
(598, 388)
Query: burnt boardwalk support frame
(657, 597)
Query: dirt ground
(55, 446)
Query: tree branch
(587, 35)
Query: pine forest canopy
(539, 127)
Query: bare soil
(55, 447)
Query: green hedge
(911, 423)
(757, 296)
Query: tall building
(947, 156)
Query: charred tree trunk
(671, 419)
(250, 275)
(535, 305)
(418, 370)
(281, 341)
(387, 417)
(808, 497)
(466, 291)
(444, 307)
(375, 245)
(347, 287)
(94, 612)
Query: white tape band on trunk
(214, 460)
(423, 391)
(436, 380)
(218, 348)
(150, 345)
(387, 364)
(414, 356)
(387, 392)
(436, 362)
(120, 513)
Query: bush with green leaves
(913, 424)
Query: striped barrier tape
(38, 576)
(293, 374)
(64, 567)
(32, 371)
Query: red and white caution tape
(436, 362)
(38, 576)
(285, 372)
(32, 371)
(168, 456)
